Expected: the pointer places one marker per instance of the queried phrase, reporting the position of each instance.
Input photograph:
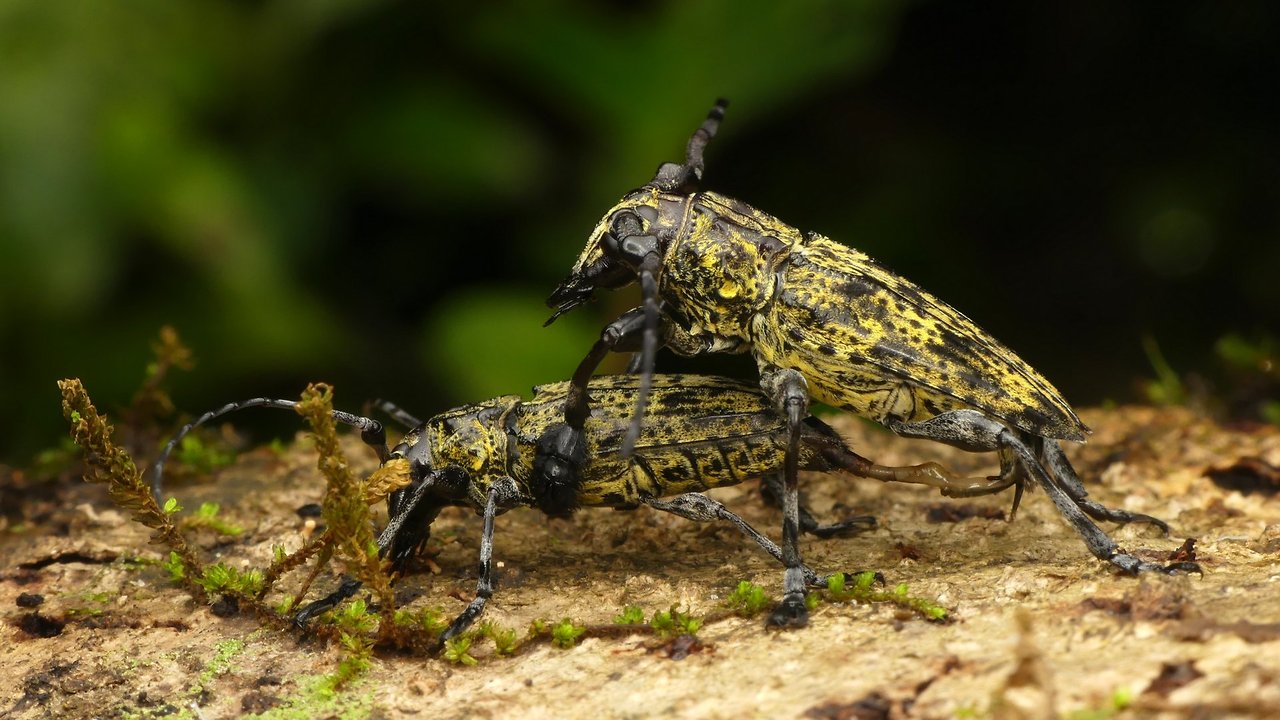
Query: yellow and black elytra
(710, 432)
(821, 320)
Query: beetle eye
(625, 224)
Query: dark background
(382, 194)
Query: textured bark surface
(1041, 629)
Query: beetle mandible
(822, 320)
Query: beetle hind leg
(1057, 461)
(771, 489)
(975, 432)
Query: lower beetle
(711, 432)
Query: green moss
(111, 465)
(565, 634)
(207, 516)
(317, 697)
(1121, 699)
(219, 578)
(345, 509)
(862, 590)
(630, 615)
(673, 623)
(747, 599)
(200, 456)
(504, 639)
(457, 650)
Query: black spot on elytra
(827, 349)
(856, 287)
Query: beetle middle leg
(975, 432)
(790, 394)
(700, 508)
(771, 489)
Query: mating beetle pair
(820, 319)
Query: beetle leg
(407, 530)
(648, 272)
(931, 473)
(771, 490)
(790, 394)
(700, 508)
(973, 431)
(1052, 454)
(562, 447)
(484, 586)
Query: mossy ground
(1038, 623)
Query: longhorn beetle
(713, 433)
(821, 320)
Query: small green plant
(219, 578)
(457, 650)
(355, 663)
(177, 571)
(862, 590)
(747, 599)
(565, 634)
(345, 509)
(430, 620)
(1167, 388)
(285, 605)
(630, 615)
(207, 516)
(504, 639)
(673, 623)
(200, 456)
(355, 618)
(111, 465)
(1120, 700)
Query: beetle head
(606, 263)
(634, 227)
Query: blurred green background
(382, 194)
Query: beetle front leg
(790, 394)
(484, 585)
(562, 447)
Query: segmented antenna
(371, 432)
(674, 178)
(702, 137)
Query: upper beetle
(822, 320)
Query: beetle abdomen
(876, 344)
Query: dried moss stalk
(110, 464)
(345, 509)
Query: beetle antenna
(682, 178)
(371, 432)
(702, 137)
